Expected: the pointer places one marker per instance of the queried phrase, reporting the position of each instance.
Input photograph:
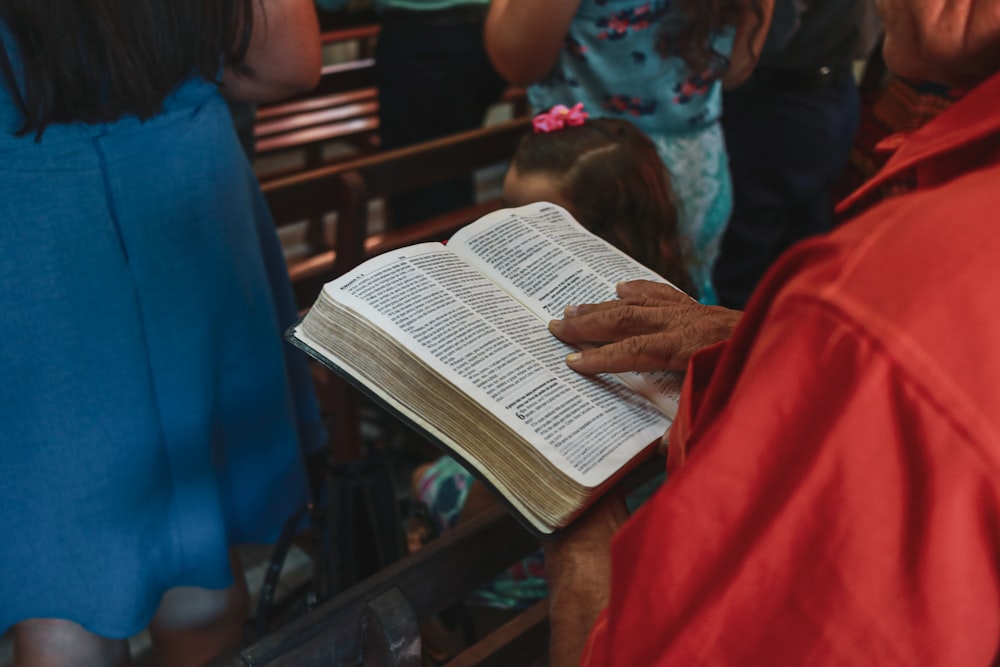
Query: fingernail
(575, 356)
(570, 311)
(555, 325)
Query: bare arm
(523, 37)
(750, 36)
(285, 54)
(578, 569)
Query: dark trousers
(786, 149)
(434, 79)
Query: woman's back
(155, 413)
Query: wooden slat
(335, 78)
(313, 103)
(313, 135)
(346, 189)
(517, 642)
(350, 34)
(309, 274)
(319, 117)
(391, 172)
(310, 195)
(343, 106)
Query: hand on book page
(454, 340)
(650, 327)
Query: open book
(453, 338)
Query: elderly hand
(651, 327)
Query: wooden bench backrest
(350, 80)
(364, 35)
(376, 622)
(343, 106)
(347, 187)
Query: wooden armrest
(516, 642)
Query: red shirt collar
(965, 122)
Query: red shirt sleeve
(829, 512)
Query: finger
(650, 290)
(635, 293)
(642, 302)
(655, 352)
(610, 324)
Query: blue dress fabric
(609, 62)
(150, 413)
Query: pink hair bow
(558, 117)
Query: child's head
(607, 173)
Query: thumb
(652, 352)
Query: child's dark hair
(611, 175)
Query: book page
(484, 341)
(547, 260)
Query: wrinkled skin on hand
(651, 327)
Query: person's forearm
(578, 591)
(578, 570)
(285, 54)
(524, 37)
(747, 45)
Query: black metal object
(428, 581)
(356, 530)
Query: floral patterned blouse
(609, 62)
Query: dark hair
(692, 41)
(99, 60)
(617, 186)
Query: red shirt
(839, 498)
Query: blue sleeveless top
(149, 414)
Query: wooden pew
(350, 115)
(342, 107)
(347, 188)
(363, 36)
(377, 621)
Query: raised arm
(523, 37)
(750, 36)
(285, 54)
